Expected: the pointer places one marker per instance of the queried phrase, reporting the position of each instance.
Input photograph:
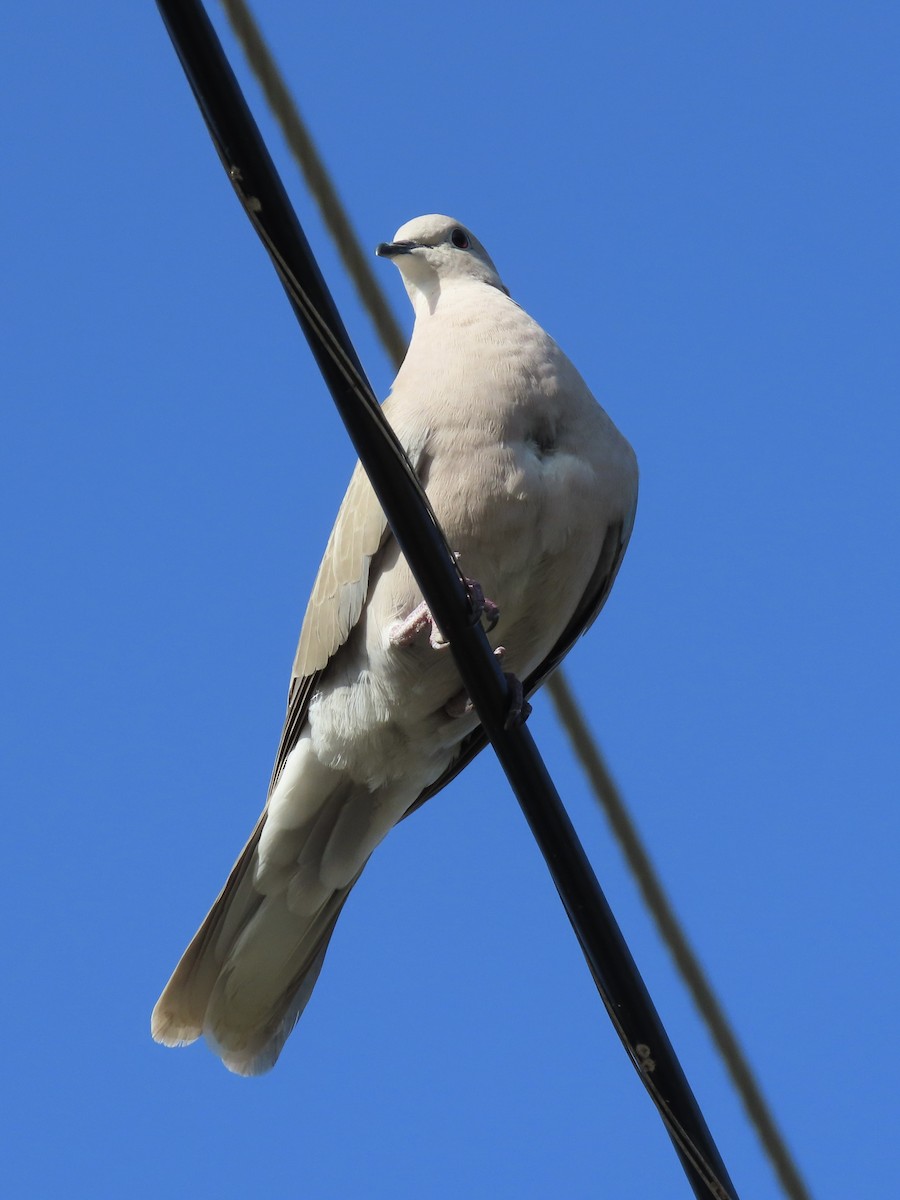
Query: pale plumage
(536, 491)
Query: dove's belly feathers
(525, 473)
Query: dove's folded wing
(339, 594)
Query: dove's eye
(460, 239)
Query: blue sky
(700, 201)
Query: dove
(535, 490)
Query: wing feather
(339, 592)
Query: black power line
(570, 714)
(262, 195)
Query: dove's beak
(392, 249)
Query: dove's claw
(403, 633)
(460, 705)
(519, 709)
(481, 605)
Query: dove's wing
(588, 609)
(339, 592)
(337, 600)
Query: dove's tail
(248, 973)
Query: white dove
(535, 489)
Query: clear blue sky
(701, 202)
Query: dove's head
(435, 252)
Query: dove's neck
(434, 294)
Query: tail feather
(179, 1013)
(266, 984)
(248, 972)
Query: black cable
(570, 714)
(676, 940)
(627, 1001)
(317, 178)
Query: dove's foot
(519, 708)
(403, 633)
(460, 705)
(481, 605)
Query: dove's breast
(526, 473)
(525, 470)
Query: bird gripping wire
(253, 175)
